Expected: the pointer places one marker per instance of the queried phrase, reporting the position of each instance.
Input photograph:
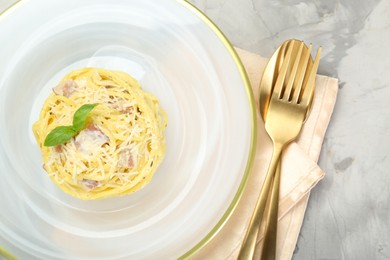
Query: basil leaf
(62, 134)
(59, 135)
(80, 116)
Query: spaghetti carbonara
(121, 145)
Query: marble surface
(348, 215)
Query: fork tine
(277, 91)
(282, 54)
(300, 76)
(310, 83)
(287, 95)
(279, 60)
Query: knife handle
(249, 244)
(268, 251)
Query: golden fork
(288, 106)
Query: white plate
(177, 54)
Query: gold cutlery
(287, 90)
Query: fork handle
(249, 244)
(268, 251)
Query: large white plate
(177, 54)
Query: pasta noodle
(122, 143)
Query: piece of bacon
(58, 148)
(66, 88)
(127, 110)
(93, 127)
(122, 107)
(126, 159)
(89, 184)
(90, 139)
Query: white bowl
(177, 54)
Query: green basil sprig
(62, 134)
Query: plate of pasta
(127, 129)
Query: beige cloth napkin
(300, 172)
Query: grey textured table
(348, 212)
(348, 215)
